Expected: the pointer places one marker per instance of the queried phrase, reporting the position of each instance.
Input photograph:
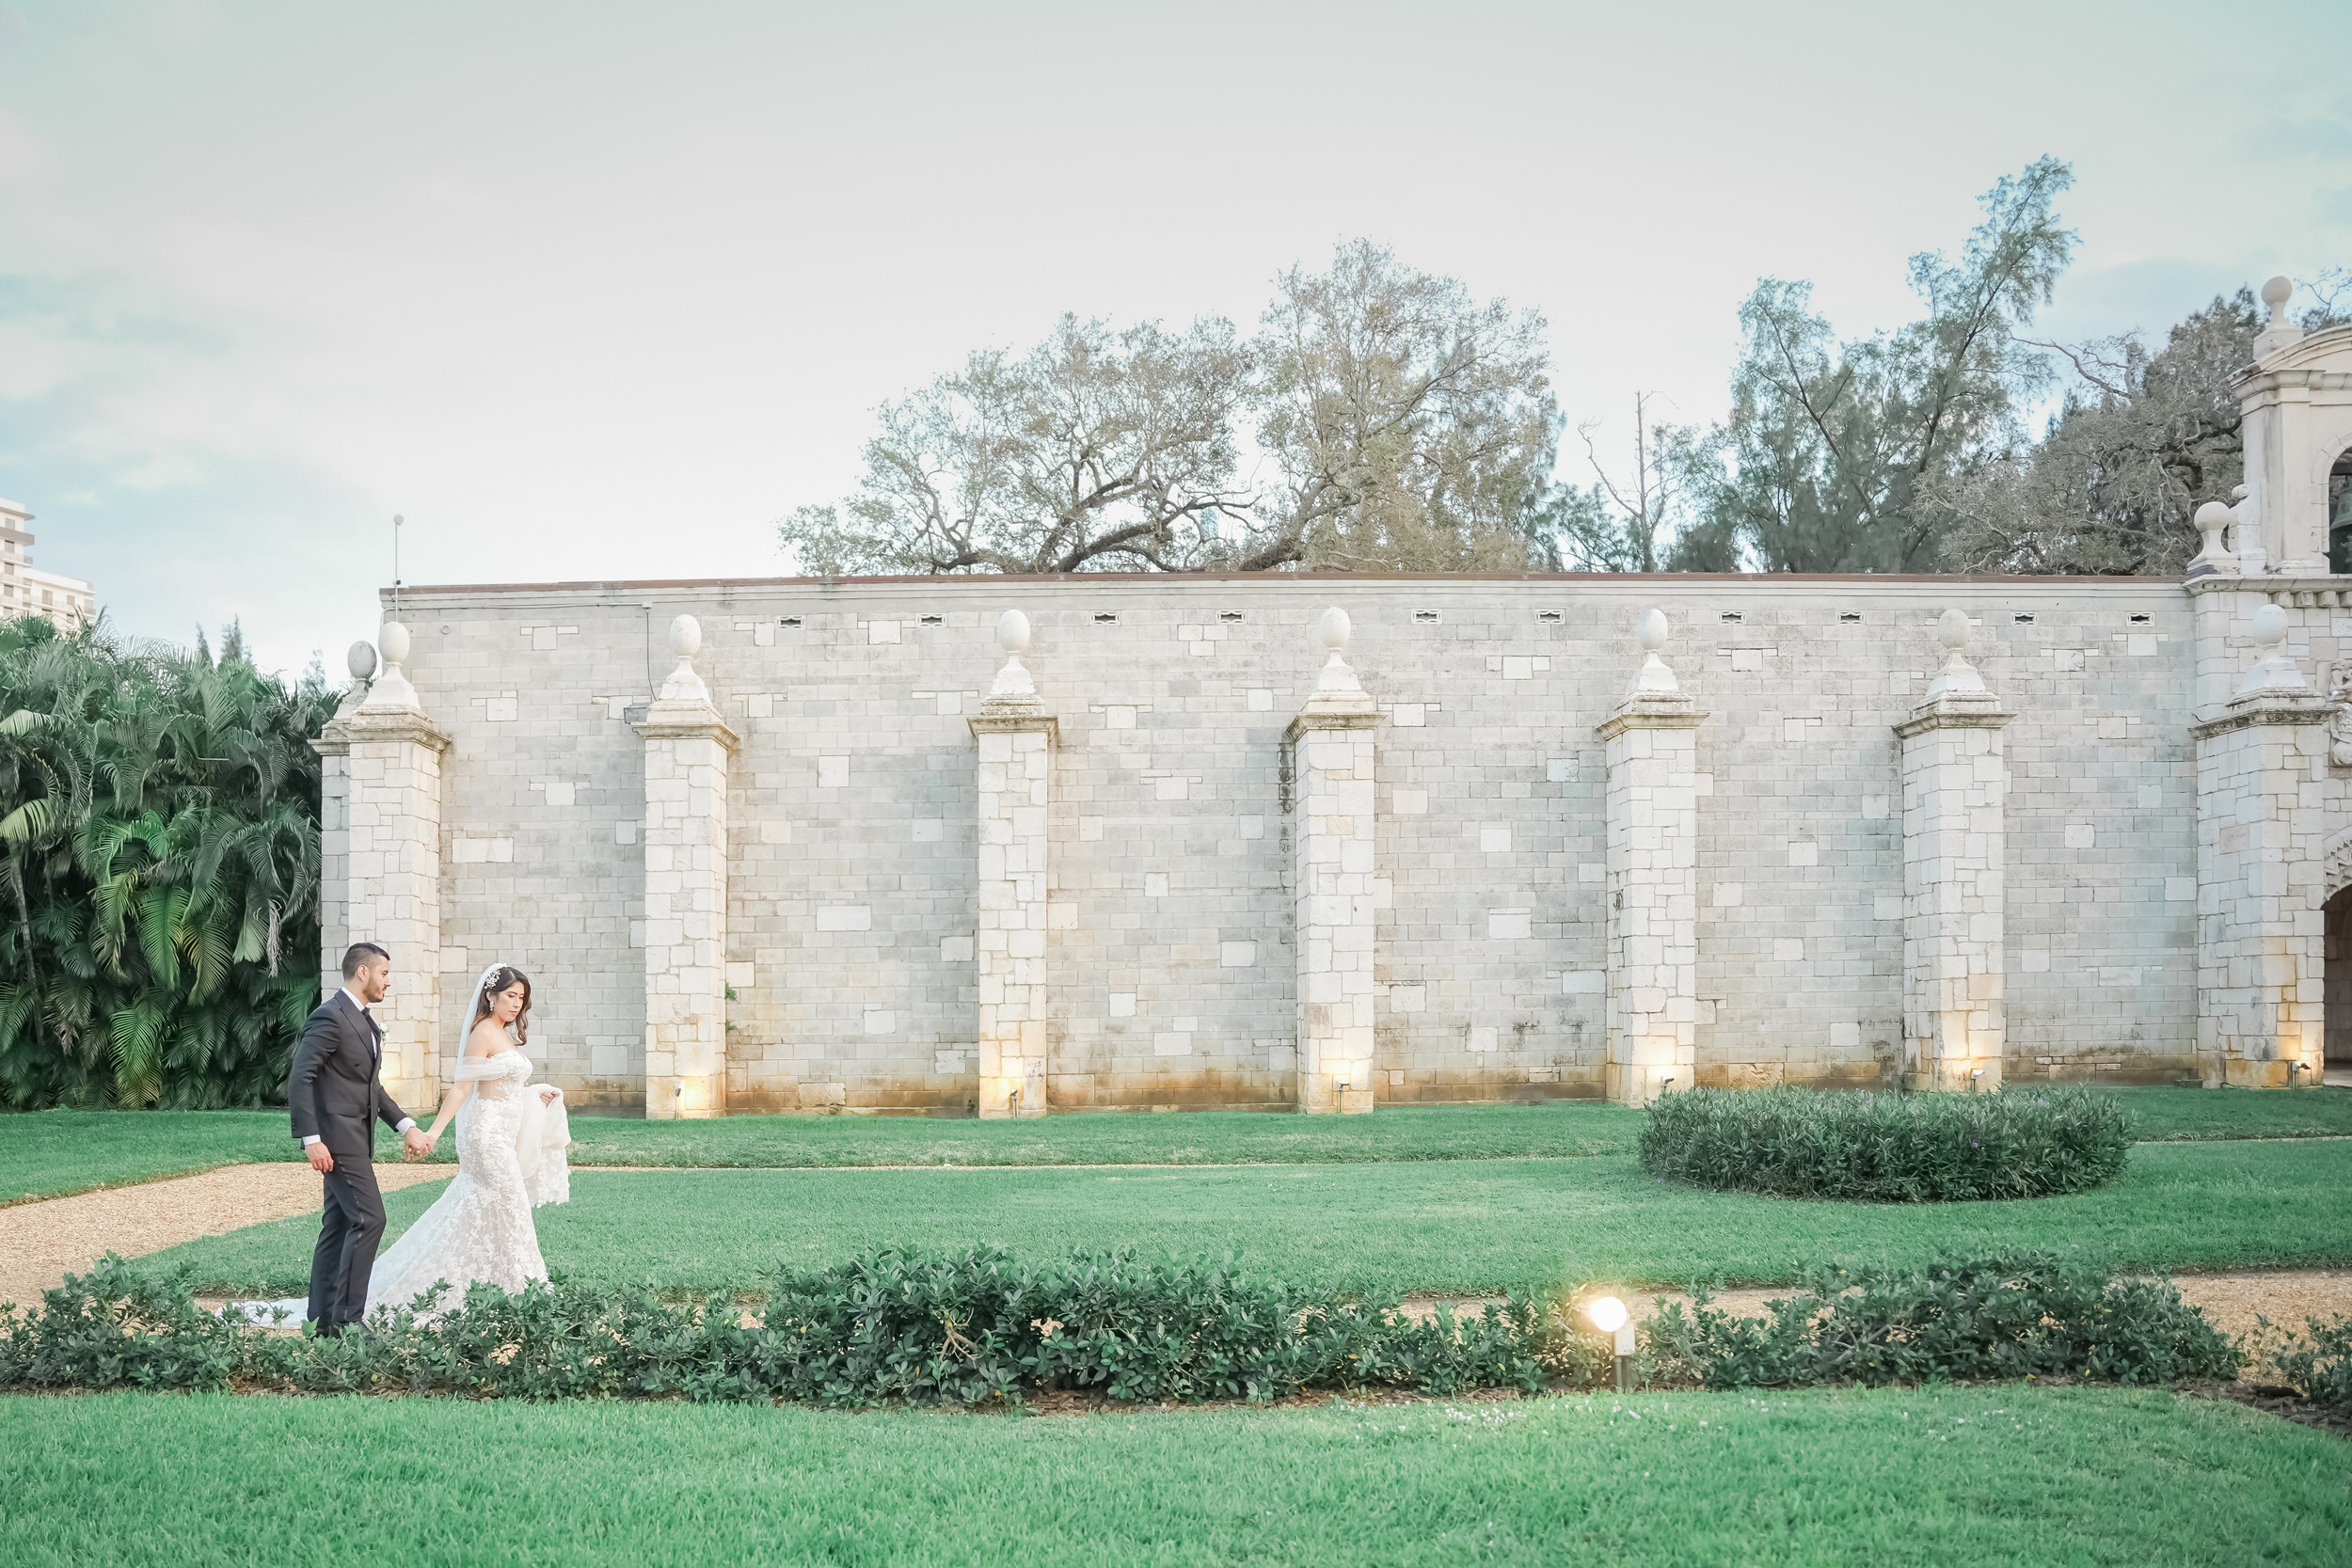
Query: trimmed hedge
(1888, 1148)
(979, 1327)
(2032, 1317)
(2317, 1364)
(966, 1328)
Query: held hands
(417, 1143)
(321, 1161)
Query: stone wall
(1170, 971)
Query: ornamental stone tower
(1652, 741)
(1016, 738)
(1328, 769)
(392, 860)
(1955, 785)
(689, 749)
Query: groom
(335, 1096)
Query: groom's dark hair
(356, 957)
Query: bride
(510, 1159)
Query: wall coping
(1923, 584)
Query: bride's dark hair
(504, 976)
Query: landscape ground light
(1610, 1316)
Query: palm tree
(161, 841)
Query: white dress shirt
(405, 1122)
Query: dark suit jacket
(333, 1091)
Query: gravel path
(42, 1243)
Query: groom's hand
(321, 1161)
(416, 1143)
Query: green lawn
(50, 1153)
(2166, 1114)
(1455, 1226)
(47, 1153)
(1975, 1477)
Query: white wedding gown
(510, 1160)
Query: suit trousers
(348, 1236)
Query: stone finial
(2212, 520)
(389, 688)
(1013, 680)
(1958, 678)
(361, 661)
(684, 685)
(2281, 333)
(1654, 679)
(1333, 629)
(2274, 671)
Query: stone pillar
(688, 750)
(392, 889)
(334, 748)
(1955, 781)
(1652, 741)
(1016, 738)
(2262, 784)
(1327, 761)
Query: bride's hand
(550, 1094)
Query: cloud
(21, 154)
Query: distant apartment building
(66, 603)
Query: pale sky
(591, 290)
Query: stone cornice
(365, 725)
(1016, 716)
(1954, 713)
(2249, 712)
(685, 720)
(1650, 713)
(2306, 591)
(1314, 718)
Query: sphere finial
(1958, 678)
(2275, 292)
(1013, 680)
(392, 642)
(361, 660)
(686, 637)
(1336, 681)
(2270, 626)
(1654, 679)
(1013, 632)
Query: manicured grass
(1469, 1225)
(2160, 1114)
(48, 1153)
(1563, 1128)
(1980, 1477)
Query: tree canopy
(1387, 419)
(1837, 454)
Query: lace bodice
(496, 1077)
(510, 1158)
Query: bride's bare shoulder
(488, 1039)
